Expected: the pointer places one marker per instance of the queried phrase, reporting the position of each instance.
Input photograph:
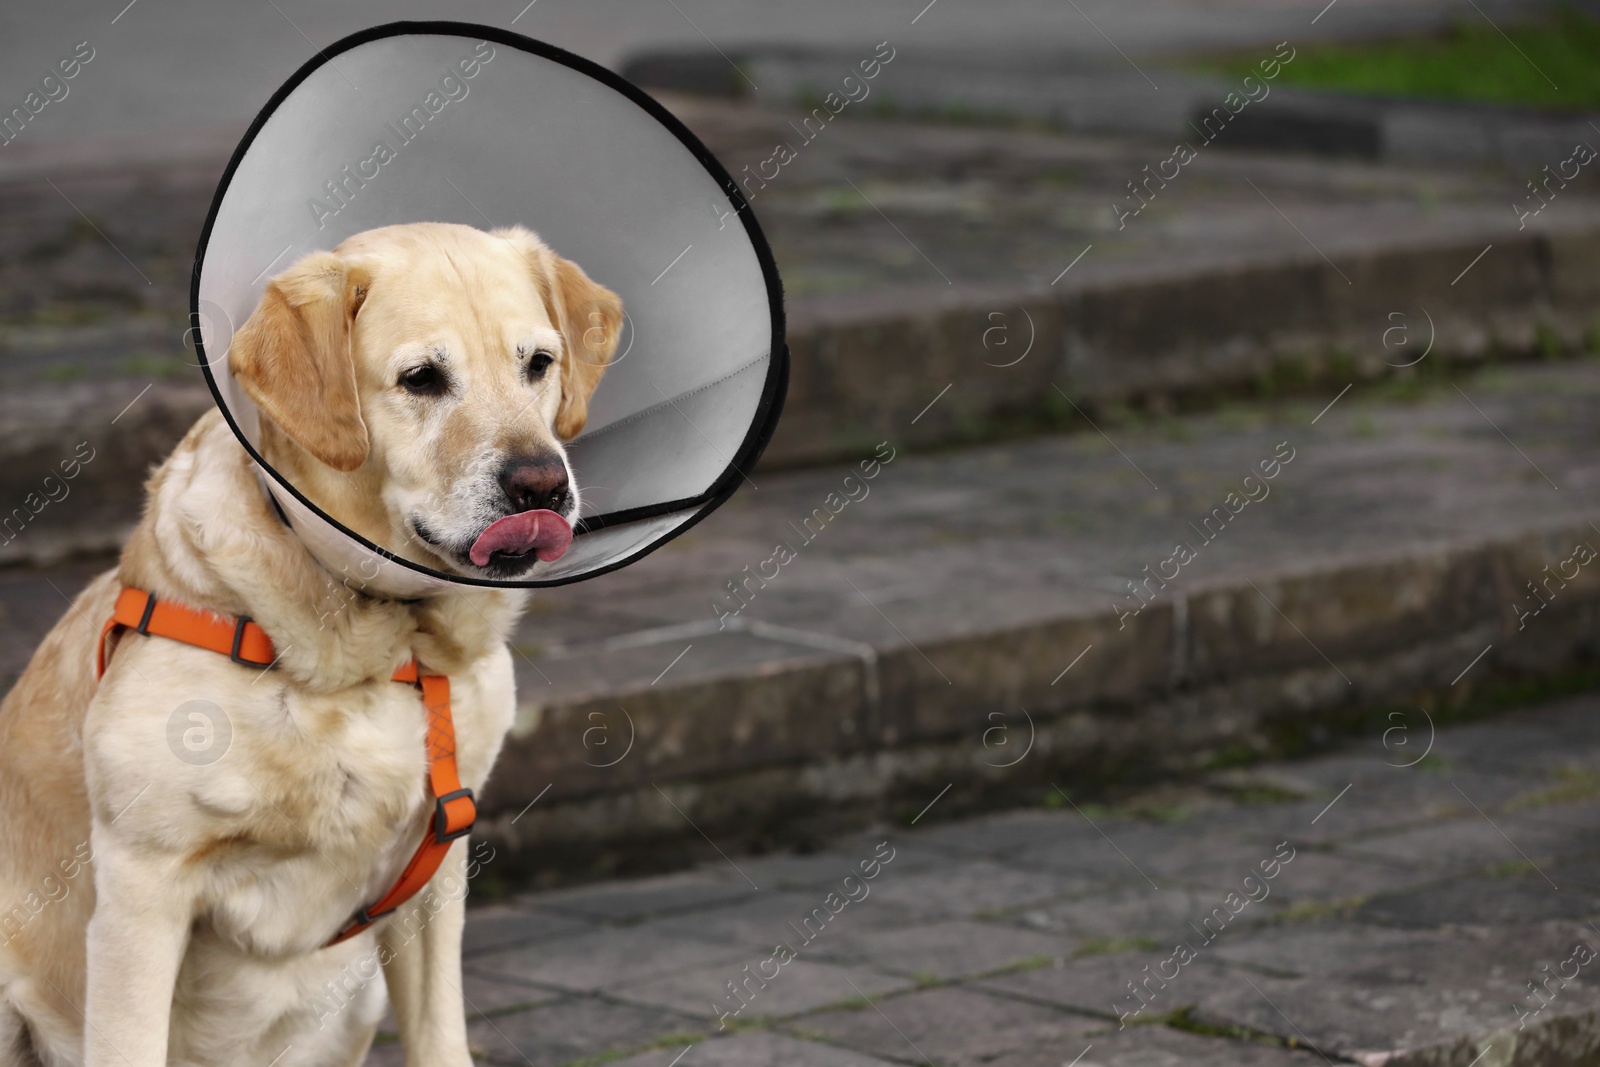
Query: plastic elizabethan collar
(451, 122)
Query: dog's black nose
(535, 483)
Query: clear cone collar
(451, 122)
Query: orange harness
(242, 641)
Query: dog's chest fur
(314, 805)
(320, 794)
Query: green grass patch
(672, 1040)
(848, 1004)
(1184, 1019)
(156, 365)
(1435, 764)
(1108, 946)
(64, 372)
(1315, 911)
(1554, 63)
(1573, 783)
(1256, 793)
(1511, 869)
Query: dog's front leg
(422, 967)
(136, 941)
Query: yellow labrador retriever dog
(416, 383)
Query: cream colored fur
(191, 930)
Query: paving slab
(765, 991)
(1358, 796)
(1470, 844)
(1329, 880)
(1151, 917)
(756, 1050)
(1001, 834)
(598, 960)
(975, 889)
(647, 898)
(1575, 809)
(1382, 997)
(959, 948)
(957, 1027)
(804, 920)
(1148, 1046)
(1097, 984)
(499, 927)
(571, 1029)
(1483, 901)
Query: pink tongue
(541, 532)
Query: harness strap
(241, 640)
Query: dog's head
(417, 383)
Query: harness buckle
(143, 626)
(238, 641)
(441, 819)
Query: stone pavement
(1392, 903)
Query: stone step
(805, 653)
(844, 642)
(1164, 98)
(1249, 276)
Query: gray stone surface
(799, 986)
(1118, 97)
(956, 638)
(1097, 984)
(756, 1050)
(647, 898)
(959, 1027)
(914, 256)
(567, 1030)
(985, 949)
(1360, 992)
(1152, 1047)
(597, 960)
(958, 949)
(499, 928)
(187, 64)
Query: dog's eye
(539, 363)
(426, 380)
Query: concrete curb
(1111, 98)
(818, 739)
(1410, 131)
(1184, 339)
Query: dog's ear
(589, 317)
(293, 358)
